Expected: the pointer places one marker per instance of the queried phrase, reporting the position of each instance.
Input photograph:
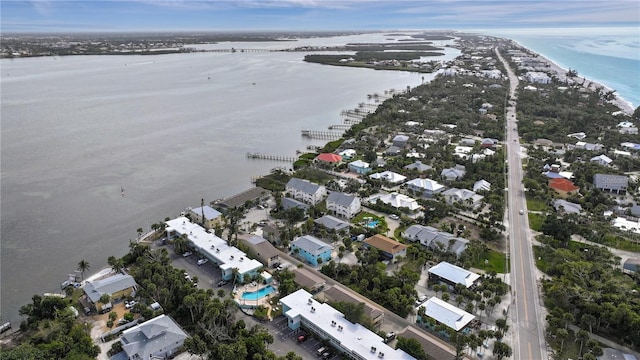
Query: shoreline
(624, 105)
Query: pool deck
(248, 303)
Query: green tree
(501, 350)
(83, 266)
(412, 347)
(562, 335)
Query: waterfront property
(387, 247)
(261, 249)
(211, 217)
(451, 275)
(117, 286)
(311, 249)
(352, 340)
(229, 259)
(158, 338)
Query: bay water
(168, 129)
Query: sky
(310, 15)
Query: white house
(603, 160)
(158, 338)
(344, 205)
(482, 185)
(398, 201)
(389, 176)
(467, 197)
(425, 187)
(305, 191)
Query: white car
(202, 261)
(130, 304)
(394, 217)
(188, 253)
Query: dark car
(222, 283)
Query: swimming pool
(256, 295)
(373, 223)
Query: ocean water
(170, 129)
(609, 56)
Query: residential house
(630, 146)
(400, 141)
(350, 339)
(311, 249)
(489, 143)
(611, 183)
(467, 142)
(631, 266)
(588, 146)
(332, 223)
(453, 174)
(387, 247)
(347, 154)
(344, 205)
(425, 187)
(393, 151)
(329, 158)
(451, 275)
(261, 249)
(343, 294)
(158, 338)
(389, 177)
(305, 191)
(566, 207)
(212, 217)
(481, 185)
(359, 167)
(603, 160)
(253, 195)
(418, 166)
(379, 162)
(464, 196)
(615, 354)
(117, 286)
(435, 239)
(271, 233)
(563, 187)
(289, 203)
(398, 201)
(446, 314)
(308, 279)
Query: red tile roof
(563, 185)
(328, 157)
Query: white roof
(389, 176)
(454, 273)
(215, 248)
(427, 184)
(463, 149)
(398, 200)
(360, 164)
(447, 314)
(354, 337)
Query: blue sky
(233, 15)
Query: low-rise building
(451, 275)
(329, 158)
(332, 223)
(398, 201)
(261, 249)
(343, 205)
(453, 174)
(117, 286)
(603, 160)
(231, 261)
(312, 250)
(351, 339)
(566, 207)
(360, 167)
(435, 239)
(482, 185)
(387, 247)
(425, 187)
(464, 196)
(446, 314)
(563, 187)
(158, 338)
(212, 217)
(418, 166)
(611, 183)
(389, 176)
(305, 191)
(400, 141)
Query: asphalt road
(526, 318)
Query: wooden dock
(262, 156)
(315, 134)
(340, 127)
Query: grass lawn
(536, 204)
(536, 221)
(497, 261)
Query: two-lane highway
(527, 320)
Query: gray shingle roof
(332, 223)
(311, 245)
(303, 185)
(152, 337)
(341, 199)
(95, 289)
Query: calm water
(169, 129)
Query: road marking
(530, 353)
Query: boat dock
(271, 157)
(315, 134)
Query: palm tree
(83, 266)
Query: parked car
(188, 253)
(394, 217)
(321, 350)
(202, 261)
(302, 338)
(130, 304)
(222, 283)
(390, 336)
